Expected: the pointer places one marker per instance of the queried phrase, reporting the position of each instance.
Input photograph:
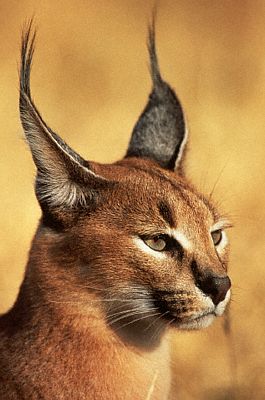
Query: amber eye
(217, 236)
(156, 243)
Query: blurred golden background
(90, 80)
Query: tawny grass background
(90, 81)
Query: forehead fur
(161, 195)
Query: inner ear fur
(64, 179)
(160, 133)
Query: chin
(204, 320)
(197, 323)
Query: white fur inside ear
(59, 191)
(183, 144)
(53, 184)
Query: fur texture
(122, 253)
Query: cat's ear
(160, 133)
(64, 179)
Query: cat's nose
(214, 286)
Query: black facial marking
(195, 269)
(166, 213)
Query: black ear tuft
(160, 132)
(64, 179)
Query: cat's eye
(157, 243)
(217, 236)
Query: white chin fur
(206, 320)
(199, 323)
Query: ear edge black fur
(162, 112)
(75, 171)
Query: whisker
(78, 301)
(156, 332)
(130, 314)
(155, 320)
(218, 178)
(152, 387)
(129, 310)
(138, 319)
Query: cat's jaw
(205, 319)
(200, 322)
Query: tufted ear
(64, 179)
(160, 133)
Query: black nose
(214, 286)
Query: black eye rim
(220, 237)
(159, 236)
(155, 238)
(171, 244)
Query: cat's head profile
(135, 239)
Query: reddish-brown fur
(92, 316)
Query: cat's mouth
(202, 320)
(154, 311)
(183, 315)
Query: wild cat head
(134, 235)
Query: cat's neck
(38, 311)
(76, 346)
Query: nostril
(214, 286)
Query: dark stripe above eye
(166, 213)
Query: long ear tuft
(64, 179)
(160, 132)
